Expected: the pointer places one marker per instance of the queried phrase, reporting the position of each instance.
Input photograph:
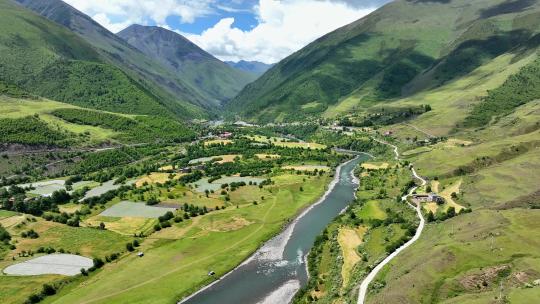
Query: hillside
(212, 78)
(46, 59)
(254, 67)
(405, 47)
(176, 95)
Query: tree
(430, 217)
(102, 226)
(98, 263)
(136, 243)
(129, 247)
(48, 290)
(451, 212)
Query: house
(428, 197)
(211, 273)
(185, 170)
(140, 254)
(225, 135)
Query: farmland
(171, 216)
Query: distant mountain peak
(255, 67)
(208, 75)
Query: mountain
(405, 47)
(253, 67)
(210, 77)
(46, 59)
(176, 95)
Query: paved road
(371, 276)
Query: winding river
(277, 270)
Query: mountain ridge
(209, 76)
(402, 48)
(178, 96)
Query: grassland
(493, 170)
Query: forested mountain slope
(212, 78)
(176, 94)
(405, 47)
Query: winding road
(371, 276)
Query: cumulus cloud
(113, 14)
(284, 27)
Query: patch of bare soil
(482, 279)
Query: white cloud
(284, 27)
(114, 27)
(115, 14)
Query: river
(277, 270)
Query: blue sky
(261, 30)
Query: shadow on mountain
(471, 54)
(507, 7)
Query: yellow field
(435, 186)
(268, 156)
(218, 142)
(155, 177)
(447, 194)
(307, 168)
(12, 220)
(454, 142)
(228, 158)
(349, 239)
(431, 207)
(166, 168)
(69, 208)
(283, 142)
(375, 166)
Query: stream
(275, 272)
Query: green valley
(394, 159)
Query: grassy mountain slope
(403, 48)
(41, 122)
(176, 95)
(46, 59)
(212, 78)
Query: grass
(131, 209)
(18, 108)
(307, 168)
(372, 210)
(87, 241)
(168, 262)
(123, 225)
(443, 257)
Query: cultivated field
(63, 264)
(131, 209)
(223, 239)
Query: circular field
(63, 264)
